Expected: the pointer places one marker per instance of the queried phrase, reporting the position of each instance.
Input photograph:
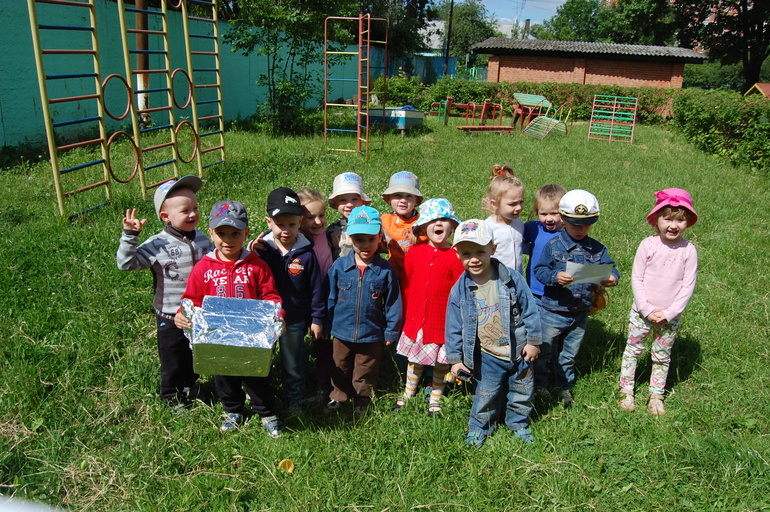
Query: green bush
(727, 124)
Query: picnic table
(528, 106)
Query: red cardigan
(429, 274)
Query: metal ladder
(164, 154)
(47, 55)
(204, 67)
(363, 106)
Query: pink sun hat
(675, 197)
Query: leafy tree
(640, 22)
(576, 20)
(406, 19)
(732, 31)
(471, 24)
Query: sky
(535, 10)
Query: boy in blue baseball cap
(364, 311)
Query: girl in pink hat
(663, 280)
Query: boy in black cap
(170, 254)
(298, 277)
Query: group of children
(451, 293)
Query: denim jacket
(522, 324)
(364, 309)
(557, 252)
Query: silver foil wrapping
(233, 336)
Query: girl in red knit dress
(430, 269)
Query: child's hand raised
(131, 223)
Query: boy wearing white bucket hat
(564, 306)
(347, 193)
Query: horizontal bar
(64, 2)
(76, 121)
(148, 71)
(147, 52)
(158, 146)
(341, 105)
(81, 212)
(145, 91)
(214, 163)
(203, 53)
(88, 187)
(198, 18)
(142, 31)
(206, 118)
(79, 75)
(341, 130)
(144, 11)
(201, 2)
(74, 98)
(68, 52)
(80, 144)
(153, 166)
(209, 150)
(206, 102)
(206, 69)
(65, 27)
(208, 134)
(205, 86)
(342, 53)
(154, 109)
(203, 36)
(81, 166)
(155, 128)
(342, 80)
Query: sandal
(400, 402)
(627, 403)
(434, 408)
(655, 405)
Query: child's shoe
(525, 435)
(627, 401)
(542, 395)
(273, 426)
(434, 408)
(333, 405)
(566, 398)
(475, 439)
(655, 405)
(399, 404)
(195, 392)
(360, 410)
(232, 421)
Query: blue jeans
(492, 376)
(562, 336)
(292, 345)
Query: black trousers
(176, 361)
(231, 391)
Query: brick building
(534, 60)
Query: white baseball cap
(473, 230)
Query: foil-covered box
(233, 336)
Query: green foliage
(471, 24)
(404, 90)
(576, 20)
(727, 124)
(732, 31)
(648, 22)
(713, 75)
(82, 427)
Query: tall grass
(82, 427)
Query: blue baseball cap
(364, 220)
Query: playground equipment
(63, 69)
(485, 111)
(550, 120)
(95, 116)
(363, 104)
(613, 118)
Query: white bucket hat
(405, 182)
(348, 183)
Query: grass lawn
(82, 427)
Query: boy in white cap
(403, 196)
(564, 306)
(347, 193)
(364, 310)
(171, 255)
(493, 333)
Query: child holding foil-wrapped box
(232, 271)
